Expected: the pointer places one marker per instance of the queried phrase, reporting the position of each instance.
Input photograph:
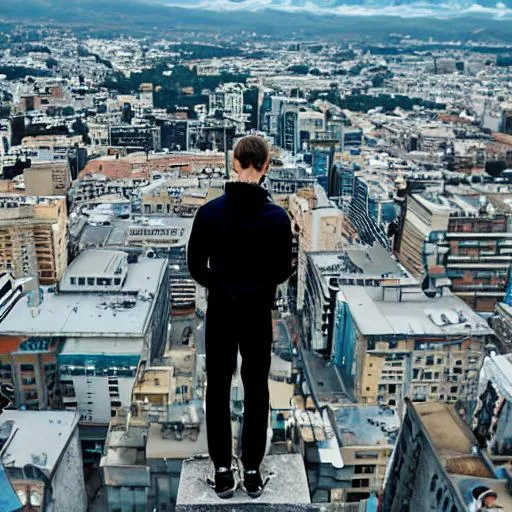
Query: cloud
(413, 9)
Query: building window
(366, 455)
(27, 367)
(433, 483)
(364, 470)
(30, 394)
(429, 361)
(360, 482)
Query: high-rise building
(322, 159)
(437, 465)
(372, 209)
(393, 341)
(135, 137)
(47, 178)
(506, 119)
(90, 333)
(459, 240)
(326, 272)
(319, 225)
(33, 237)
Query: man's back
(240, 245)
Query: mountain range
(401, 8)
(476, 20)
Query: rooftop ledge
(286, 491)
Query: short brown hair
(252, 150)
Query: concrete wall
(68, 482)
(417, 480)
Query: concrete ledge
(286, 491)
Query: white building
(107, 314)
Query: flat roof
(454, 442)
(92, 314)
(416, 314)
(446, 431)
(96, 262)
(367, 425)
(374, 260)
(281, 394)
(118, 233)
(154, 380)
(157, 447)
(39, 434)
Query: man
(240, 249)
(488, 501)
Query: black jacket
(240, 247)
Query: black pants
(229, 327)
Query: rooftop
(286, 491)
(374, 260)
(379, 311)
(358, 259)
(133, 231)
(29, 428)
(97, 263)
(154, 380)
(455, 446)
(158, 446)
(92, 314)
(367, 425)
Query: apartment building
(463, 240)
(28, 365)
(326, 271)
(437, 466)
(318, 224)
(393, 341)
(47, 178)
(86, 337)
(33, 237)
(147, 442)
(367, 434)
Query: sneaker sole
(226, 494)
(254, 495)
